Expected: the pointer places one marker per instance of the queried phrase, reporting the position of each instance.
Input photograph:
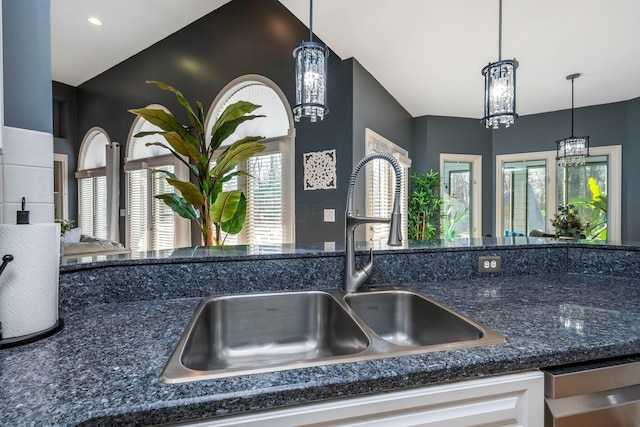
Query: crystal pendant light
(311, 77)
(500, 88)
(574, 150)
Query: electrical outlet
(489, 264)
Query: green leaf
(193, 118)
(233, 112)
(165, 121)
(226, 129)
(235, 224)
(167, 173)
(181, 146)
(237, 152)
(225, 206)
(189, 191)
(178, 205)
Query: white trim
(476, 186)
(285, 144)
(552, 181)
(63, 196)
(614, 194)
(86, 142)
(512, 399)
(376, 143)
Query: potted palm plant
(202, 198)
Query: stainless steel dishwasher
(599, 394)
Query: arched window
(151, 225)
(98, 183)
(270, 186)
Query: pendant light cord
(499, 32)
(572, 80)
(311, 20)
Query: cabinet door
(508, 400)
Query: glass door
(461, 195)
(586, 188)
(525, 197)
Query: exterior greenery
(425, 207)
(596, 207)
(202, 198)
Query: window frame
(614, 177)
(376, 143)
(285, 144)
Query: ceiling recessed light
(94, 20)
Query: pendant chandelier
(500, 88)
(574, 150)
(311, 77)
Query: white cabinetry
(506, 400)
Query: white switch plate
(123, 212)
(329, 215)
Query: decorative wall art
(320, 170)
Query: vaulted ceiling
(428, 54)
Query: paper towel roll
(29, 284)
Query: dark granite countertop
(103, 367)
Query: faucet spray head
(395, 233)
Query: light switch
(123, 212)
(329, 215)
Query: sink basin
(266, 332)
(252, 333)
(405, 318)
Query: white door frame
(476, 186)
(614, 194)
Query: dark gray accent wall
(631, 174)
(242, 37)
(432, 135)
(26, 38)
(607, 124)
(376, 109)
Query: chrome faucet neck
(354, 278)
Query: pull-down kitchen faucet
(354, 278)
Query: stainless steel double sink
(252, 333)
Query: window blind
(162, 218)
(92, 216)
(137, 211)
(264, 194)
(381, 187)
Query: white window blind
(381, 186)
(264, 192)
(137, 211)
(380, 198)
(92, 213)
(162, 218)
(150, 221)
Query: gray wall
(376, 109)
(607, 124)
(26, 31)
(631, 173)
(432, 135)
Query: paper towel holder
(29, 338)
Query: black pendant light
(500, 88)
(574, 150)
(311, 77)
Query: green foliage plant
(567, 223)
(202, 198)
(597, 206)
(425, 206)
(450, 220)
